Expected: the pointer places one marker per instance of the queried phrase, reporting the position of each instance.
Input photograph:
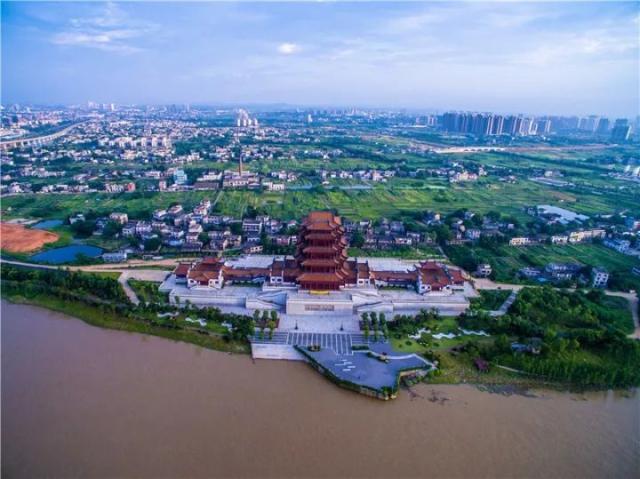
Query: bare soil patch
(15, 238)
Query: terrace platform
(375, 371)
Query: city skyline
(577, 58)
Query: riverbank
(109, 320)
(101, 301)
(452, 370)
(89, 402)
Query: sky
(511, 57)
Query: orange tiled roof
(182, 269)
(320, 278)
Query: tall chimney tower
(240, 165)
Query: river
(79, 401)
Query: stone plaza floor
(340, 343)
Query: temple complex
(319, 279)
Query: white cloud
(111, 29)
(288, 48)
(594, 46)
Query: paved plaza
(339, 343)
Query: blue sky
(537, 58)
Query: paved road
(157, 275)
(485, 283)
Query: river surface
(79, 401)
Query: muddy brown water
(79, 401)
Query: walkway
(502, 310)
(633, 304)
(123, 279)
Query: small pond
(66, 254)
(47, 224)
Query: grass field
(147, 291)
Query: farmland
(396, 198)
(507, 260)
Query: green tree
(152, 244)
(111, 229)
(271, 325)
(357, 240)
(83, 229)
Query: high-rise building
(451, 122)
(509, 125)
(621, 131)
(244, 120)
(498, 125)
(525, 126)
(603, 126)
(543, 127)
(588, 124)
(483, 124)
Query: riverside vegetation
(578, 338)
(548, 338)
(99, 300)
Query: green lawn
(147, 291)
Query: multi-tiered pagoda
(321, 253)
